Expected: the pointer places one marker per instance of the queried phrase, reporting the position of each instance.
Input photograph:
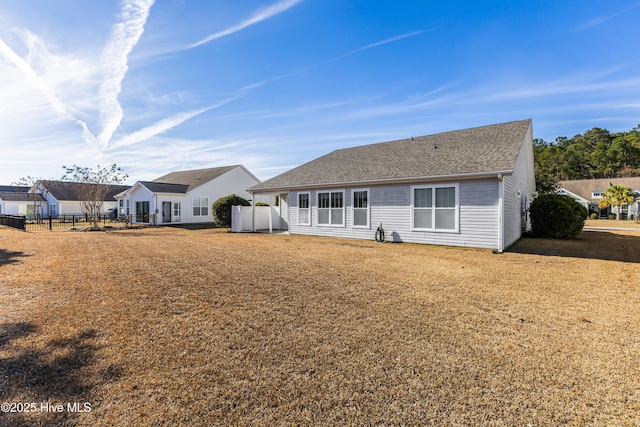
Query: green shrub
(612, 216)
(556, 216)
(221, 208)
(594, 216)
(623, 216)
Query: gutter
(386, 181)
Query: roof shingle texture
(476, 150)
(70, 191)
(193, 178)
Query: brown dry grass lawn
(176, 327)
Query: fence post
(50, 223)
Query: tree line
(597, 153)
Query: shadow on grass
(589, 244)
(53, 373)
(10, 257)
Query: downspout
(500, 213)
(253, 212)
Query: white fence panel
(266, 217)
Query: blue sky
(176, 84)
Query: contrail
(59, 107)
(163, 126)
(257, 16)
(124, 37)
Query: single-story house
(185, 196)
(65, 198)
(16, 200)
(588, 192)
(468, 187)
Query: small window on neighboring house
(596, 195)
(200, 206)
(304, 216)
(331, 208)
(176, 211)
(361, 208)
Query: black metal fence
(13, 221)
(61, 222)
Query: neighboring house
(15, 200)
(469, 187)
(588, 192)
(64, 198)
(184, 197)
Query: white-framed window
(53, 210)
(331, 207)
(200, 206)
(360, 198)
(304, 209)
(128, 207)
(596, 194)
(435, 207)
(176, 211)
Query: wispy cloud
(336, 58)
(378, 43)
(256, 17)
(163, 126)
(594, 22)
(124, 37)
(32, 77)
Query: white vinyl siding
(391, 206)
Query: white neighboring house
(16, 200)
(184, 197)
(64, 197)
(469, 187)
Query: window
(176, 211)
(435, 207)
(596, 194)
(200, 206)
(304, 216)
(331, 208)
(361, 208)
(128, 212)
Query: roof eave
(387, 181)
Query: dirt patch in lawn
(175, 327)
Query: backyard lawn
(165, 326)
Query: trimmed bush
(612, 216)
(221, 208)
(556, 216)
(594, 216)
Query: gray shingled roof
(70, 191)
(14, 189)
(478, 150)
(165, 187)
(15, 196)
(193, 178)
(585, 187)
